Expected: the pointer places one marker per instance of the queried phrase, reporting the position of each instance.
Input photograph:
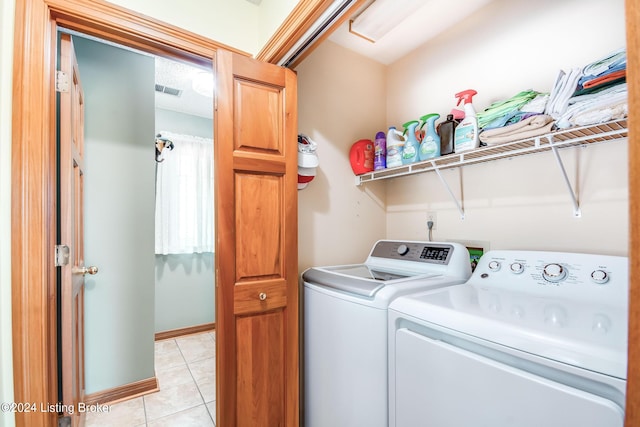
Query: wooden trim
(632, 411)
(354, 8)
(189, 330)
(123, 392)
(297, 23)
(301, 18)
(33, 215)
(292, 346)
(225, 248)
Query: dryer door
(438, 384)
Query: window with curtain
(184, 196)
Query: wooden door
(256, 247)
(71, 170)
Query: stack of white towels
(593, 94)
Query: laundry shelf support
(446, 185)
(574, 197)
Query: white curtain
(184, 196)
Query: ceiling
(431, 19)
(182, 76)
(425, 23)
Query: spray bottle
(466, 134)
(411, 146)
(430, 145)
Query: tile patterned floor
(185, 369)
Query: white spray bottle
(466, 134)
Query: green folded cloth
(500, 108)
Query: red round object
(361, 156)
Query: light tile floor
(186, 373)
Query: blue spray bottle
(411, 146)
(430, 145)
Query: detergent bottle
(447, 130)
(380, 151)
(395, 144)
(430, 145)
(411, 145)
(466, 133)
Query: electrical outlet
(432, 216)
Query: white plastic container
(395, 145)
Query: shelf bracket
(574, 198)
(446, 185)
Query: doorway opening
(132, 100)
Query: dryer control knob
(403, 250)
(517, 267)
(600, 277)
(554, 272)
(494, 265)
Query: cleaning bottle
(446, 131)
(411, 146)
(395, 144)
(430, 145)
(380, 151)
(466, 134)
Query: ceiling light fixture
(382, 16)
(202, 83)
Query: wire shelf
(575, 136)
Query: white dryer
(345, 326)
(532, 339)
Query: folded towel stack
(506, 112)
(584, 96)
(594, 94)
(536, 125)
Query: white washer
(345, 326)
(532, 339)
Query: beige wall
(6, 61)
(237, 23)
(341, 99)
(520, 203)
(506, 47)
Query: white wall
(341, 100)
(6, 64)
(271, 15)
(236, 23)
(507, 47)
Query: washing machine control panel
(429, 252)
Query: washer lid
(587, 336)
(359, 279)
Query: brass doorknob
(86, 270)
(262, 296)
